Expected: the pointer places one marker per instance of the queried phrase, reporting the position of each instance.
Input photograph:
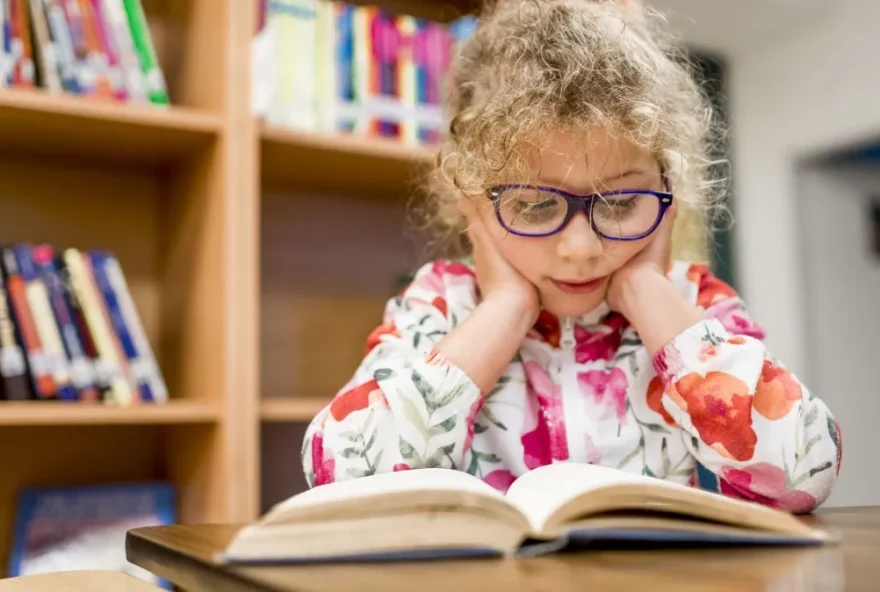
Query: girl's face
(571, 269)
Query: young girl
(570, 335)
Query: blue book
(442, 513)
(83, 527)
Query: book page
(541, 492)
(420, 480)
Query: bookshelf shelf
(339, 164)
(38, 123)
(51, 413)
(290, 409)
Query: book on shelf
(70, 331)
(92, 48)
(81, 527)
(433, 513)
(331, 66)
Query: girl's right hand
(497, 279)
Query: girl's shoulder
(439, 276)
(699, 284)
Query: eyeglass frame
(580, 203)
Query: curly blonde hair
(537, 66)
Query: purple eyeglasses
(620, 215)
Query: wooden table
(77, 581)
(182, 555)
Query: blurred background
(202, 217)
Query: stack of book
(323, 65)
(95, 48)
(69, 330)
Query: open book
(431, 513)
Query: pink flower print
(500, 480)
(471, 422)
(547, 441)
(765, 484)
(323, 463)
(608, 389)
(731, 316)
(591, 347)
(401, 467)
(594, 453)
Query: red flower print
(547, 441)
(737, 340)
(765, 484)
(707, 352)
(710, 288)
(591, 347)
(356, 399)
(776, 392)
(655, 400)
(323, 463)
(607, 388)
(500, 480)
(546, 328)
(401, 467)
(720, 409)
(375, 337)
(440, 304)
(454, 268)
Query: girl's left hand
(654, 259)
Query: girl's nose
(578, 241)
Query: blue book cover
(83, 527)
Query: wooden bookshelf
(291, 409)
(51, 413)
(258, 258)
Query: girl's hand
(497, 279)
(653, 260)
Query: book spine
(27, 70)
(345, 92)
(129, 62)
(95, 57)
(47, 329)
(109, 362)
(43, 384)
(81, 370)
(135, 365)
(68, 67)
(361, 67)
(44, 49)
(148, 368)
(107, 50)
(406, 79)
(13, 365)
(325, 65)
(7, 62)
(85, 75)
(79, 319)
(157, 90)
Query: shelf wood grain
(37, 123)
(60, 413)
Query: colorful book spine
(95, 57)
(81, 368)
(345, 78)
(6, 59)
(101, 381)
(44, 49)
(147, 368)
(40, 369)
(68, 66)
(110, 363)
(13, 365)
(293, 25)
(119, 38)
(23, 51)
(44, 319)
(406, 72)
(153, 76)
(326, 67)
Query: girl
(570, 335)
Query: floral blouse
(713, 409)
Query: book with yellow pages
(434, 513)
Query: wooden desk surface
(182, 554)
(77, 581)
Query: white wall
(806, 91)
(842, 296)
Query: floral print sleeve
(747, 419)
(406, 406)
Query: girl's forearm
(487, 341)
(656, 309)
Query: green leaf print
(648, 472)
(351, 453)
(480, 428)
(444, 427)
(653, 427)
(408, 451)
(451, 396)
(416, 339)
(412, 415)
(423, 386)
(489, 457)
(486, 411)
(812, 442)
(811, 417)
(832, 431)
(424, 319)
(664, 455)
(474, 465)
(370, 442)
(629, 457)
(355, 473)
(383, 374)
(499, 386)
(820, 468)
(374, 466)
